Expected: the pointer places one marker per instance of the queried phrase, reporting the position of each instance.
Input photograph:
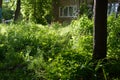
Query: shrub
(7, 13)
(32, 51)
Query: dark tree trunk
(17, 11)
(0, 11)
(100, 29)
(55, 11)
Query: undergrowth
(37, 52)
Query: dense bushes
(114, 37)
(7, 13)
(36, 52)
(38, 11)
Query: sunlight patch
(3, 31)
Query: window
(68, 11)
(65, 11)
(71, 11)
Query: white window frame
(68, 13)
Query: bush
(7, 13)
(31, 51)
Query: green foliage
(85, 9)
(114, 37)
(7, 10)
(31, 51)
(82, 30)
(38, 46)
(7, 13)
(36, 11)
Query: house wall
(55, 10)
(66, 3)
(62, 3)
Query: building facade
(67, 10)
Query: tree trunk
(0, 11)
(55, 11)
(17, 11)
(100, 29)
